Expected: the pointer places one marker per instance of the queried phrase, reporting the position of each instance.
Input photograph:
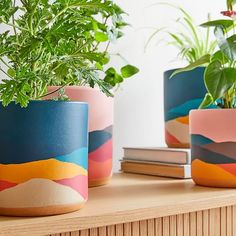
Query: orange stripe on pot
(183, 120)
(211, 175)
(48, 169)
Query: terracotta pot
(44, 153)
(213, 146)
(182, 93)
(100, 131)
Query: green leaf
(203, 60)
(223, 23)
(95, 25)
(227, 45)
(207, 101)
(219, 80)
(100, 36)
(110, 71)
(128, 71)
(99, 66)
(11, 72)
(118, 78)
(219, 56)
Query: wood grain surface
(139, 205)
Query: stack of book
(166, 162)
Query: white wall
(139, 102)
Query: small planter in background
(213, 146)
(182, 93)
(43, 163)
(100, 130)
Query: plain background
(139, 101)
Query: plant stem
(5, 63)
(106, 49)
(17, 27)
(13, 19)
(45, 95)
(5, 73)
(31, 17)
(54, 18)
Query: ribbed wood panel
(213, 222)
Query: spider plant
(191, 41)
(220, 73)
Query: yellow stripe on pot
(47, 169)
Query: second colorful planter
(182, 93)
(100, 130)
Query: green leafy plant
(220, 74)
(191, 41)
(60, 42)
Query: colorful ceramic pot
(43, 161)
(100, 131)
(182, 93)
(213, 146)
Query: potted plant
(188, 86)
(44, 145)
(89, 78)
(213, 131)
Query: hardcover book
(165, 155)
(157, 169)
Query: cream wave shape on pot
(39, 193)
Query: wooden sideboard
(136, 205)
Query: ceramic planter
(213, 146)
(100, 131)
(182, 93)
(43, 162)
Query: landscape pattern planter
(182, 93)
(100, 131)
(213, 147)
(44, 158)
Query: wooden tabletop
(127, 198)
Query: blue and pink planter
(100, 131)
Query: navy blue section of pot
(43, 130)
(183, 92)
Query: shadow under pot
(100, 130)
(182, 93)
(213, 147)
(43, 162)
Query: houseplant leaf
(100, 36)
(128, 71)
(227, 45)
(223, 23)
(219, 79)
(203, 60)
(207, 101)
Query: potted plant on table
(189, 90)
(44, 144)
(89, 78)
(213, 131)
